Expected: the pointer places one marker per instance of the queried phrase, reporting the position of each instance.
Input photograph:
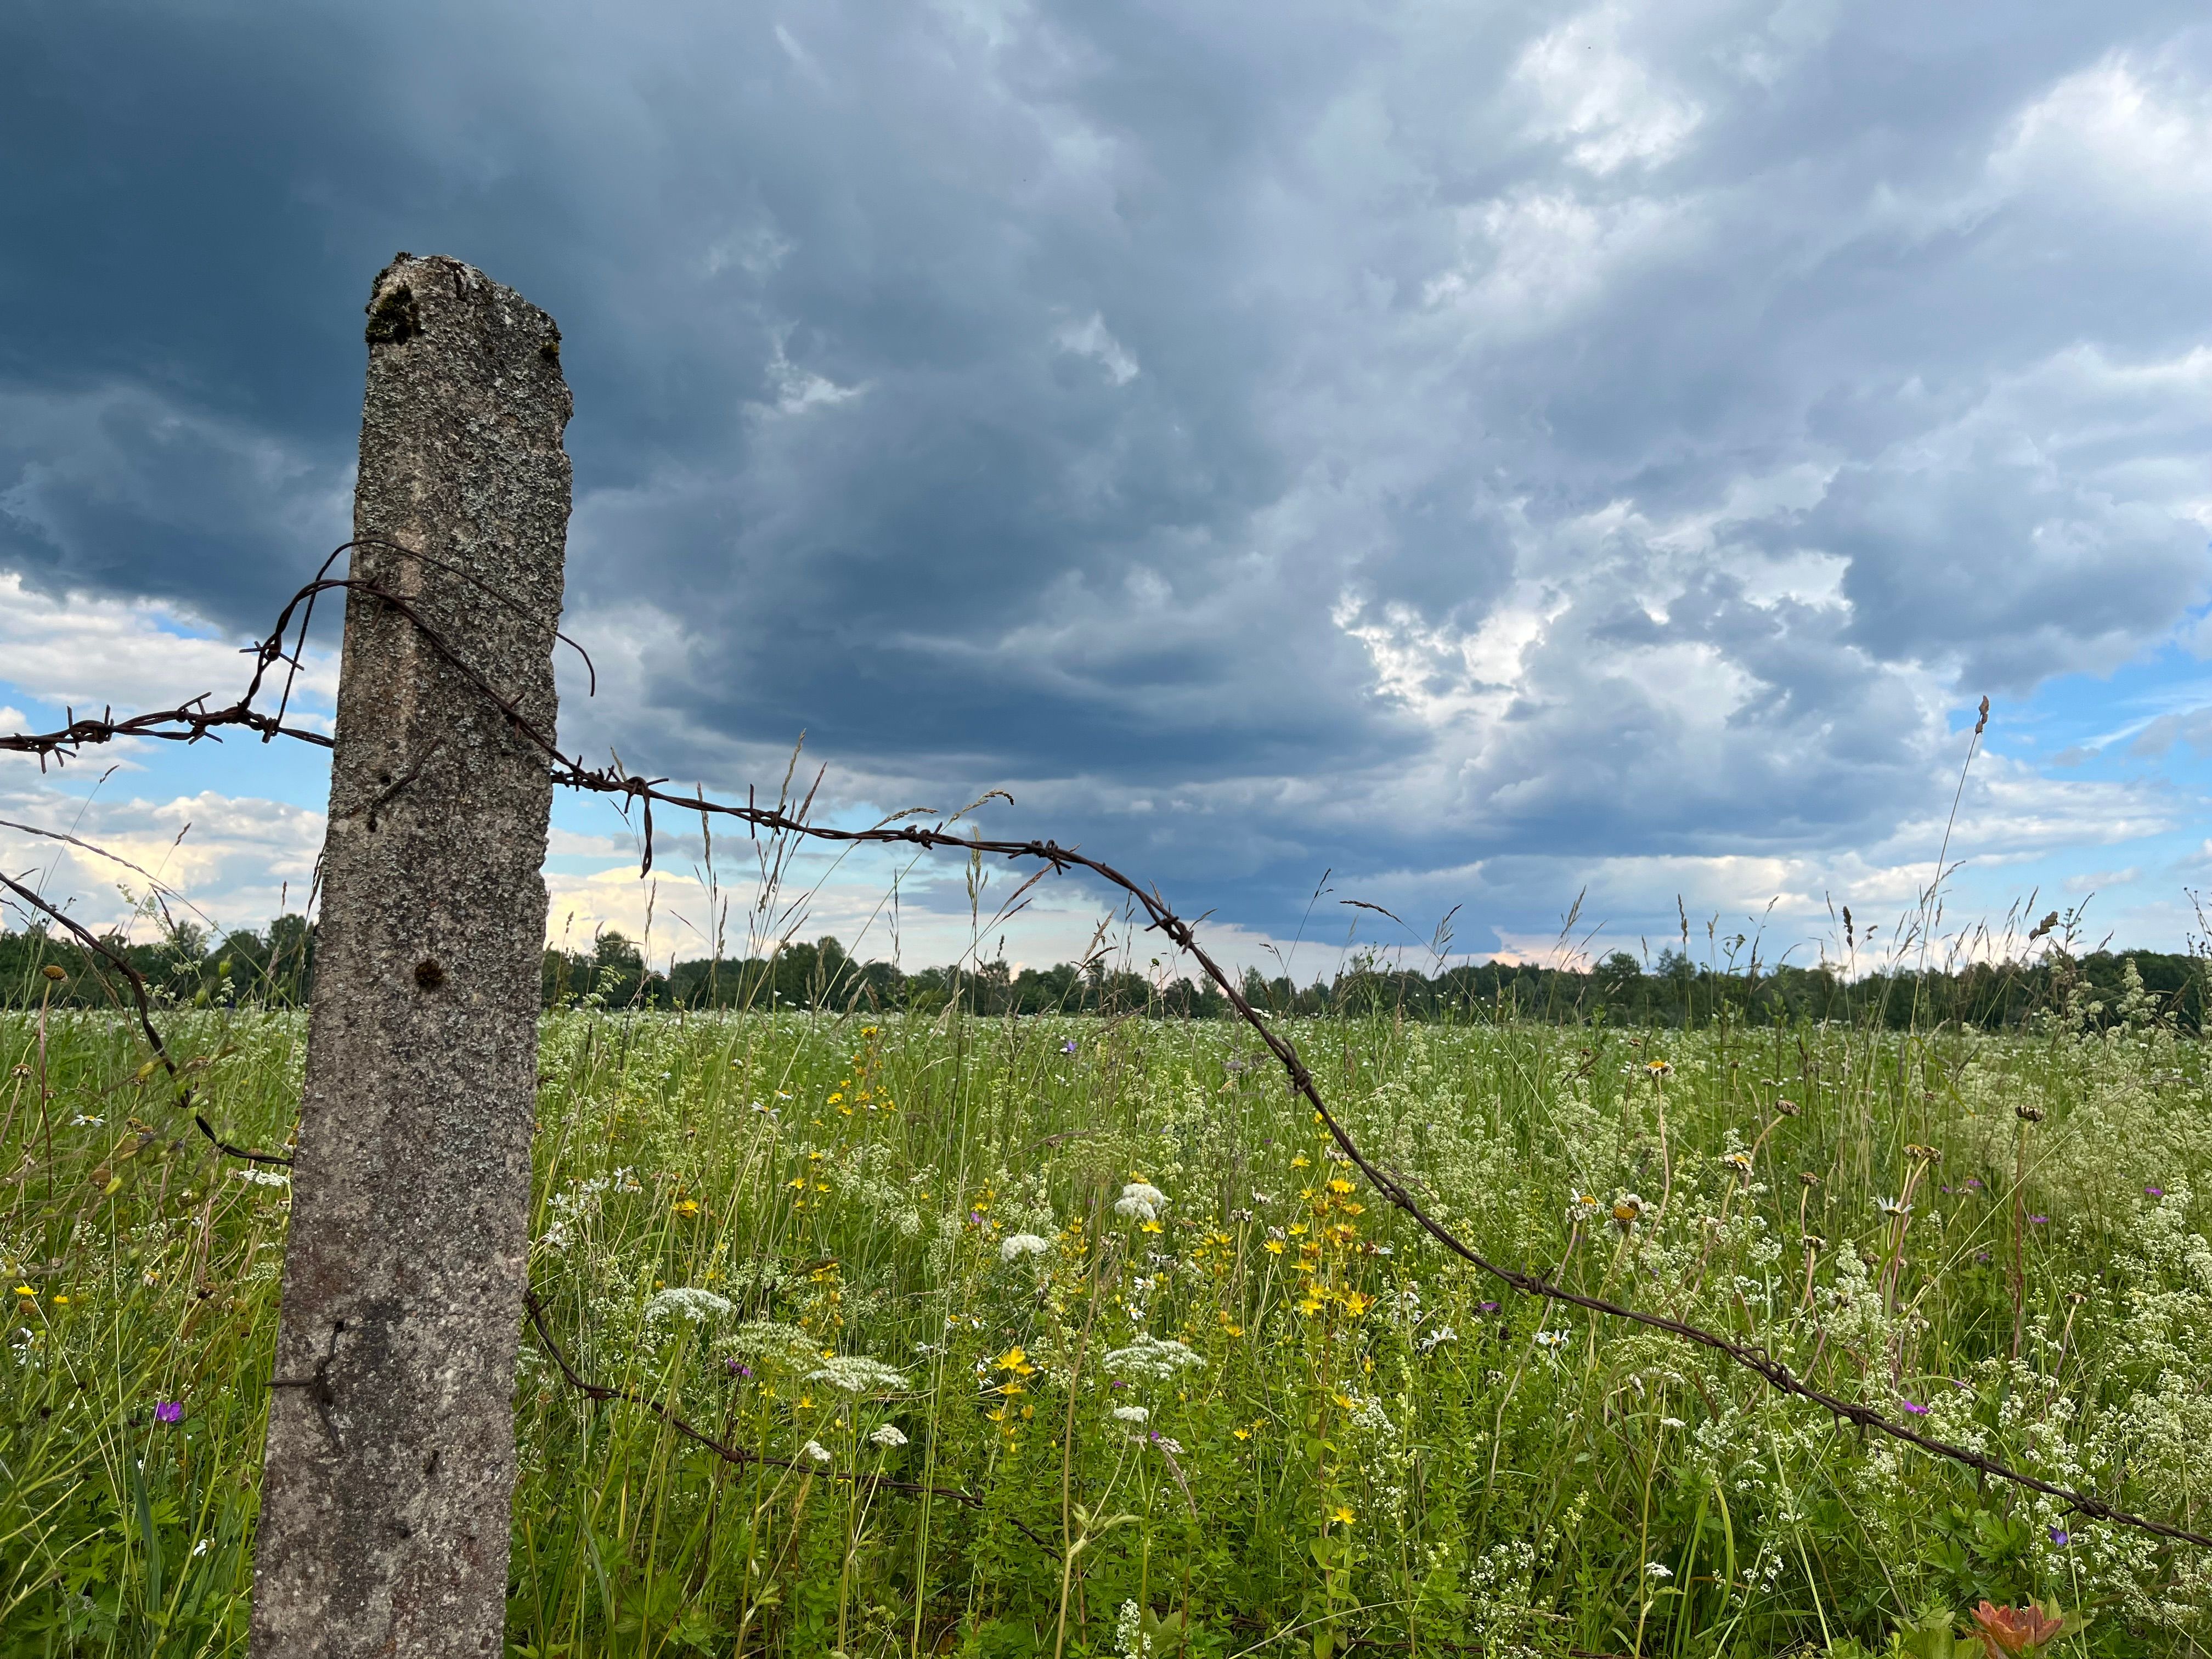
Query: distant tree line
(276, 966)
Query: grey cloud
(1399, 439)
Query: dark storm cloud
(1263, 437)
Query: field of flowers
(1071, 1337)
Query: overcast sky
(1487, 451)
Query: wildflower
(1141, 1201)
(1275, 1247)
(2061, 1537)
(81, 1122)
(1156, 1357)
(1129, 1637)
(858, 1374)
(1171, 1447)
(687, 1302)
(1739, 1162)
(1339, 1516)
(1552, 1341)
(1672, 1423)
(1300, 1161)
(1892, 1208)
(2014, 1631)
(814, 1451)
(168, 1411)
(1437, 1338)
(1017, 1360)
(887, 1436)
(1132, 1414)
(1914, 1406)
(1627, 1210)
(2154, 1192)
(1485, 1307)
(203, 1547)
(1658, 1069)
(686, 1207)
(1068, 1047)
(264, 1177)
(737, 1367)
(2038, 1221)
(1658, 1569)
(1020, 1244)
(1582, 1207)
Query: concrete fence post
(390, 1465)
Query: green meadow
(1033, 1336)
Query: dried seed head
(1806, 1177)
(1787, 1108)
(429, 975)
(54, 971)
(2028, 1113)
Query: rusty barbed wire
(191, 721)
(94, 946)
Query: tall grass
(1260, 1415)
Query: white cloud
(1610, 106)
(1090, 338)
(92, 652)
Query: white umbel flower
(1156, 1358)
(687, 1302)
(814, 1451)
(1021, 1244)
(858, 1374)
(1141, 1202)
(887, 1436)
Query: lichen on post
(389, 1465)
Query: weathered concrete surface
(389, 1469)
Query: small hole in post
(429, 975)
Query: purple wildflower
(2061, 1537)
(168, 1411)
(1485, 1307)
(2037, 1220)
(1068, 1047)
(1914, 1406)
(2154, 1192)
(738, 1368)
(1973, 1183)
